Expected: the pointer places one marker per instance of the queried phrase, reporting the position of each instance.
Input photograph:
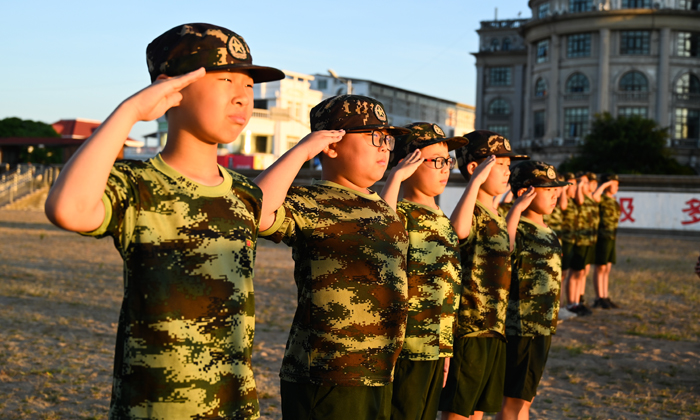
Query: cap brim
(552, 184)
(512, 156)
(394, 131)
(260, 74)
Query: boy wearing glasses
(349, 248)
(477, 370)
(433, 268)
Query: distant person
(422, 164)
(349, 248)
(568, 230)
(555, 219)
(533, 301)
(476, 374)
(605, 255)
(185, 227)
(697, 267)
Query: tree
(625, 145)
(16, 127)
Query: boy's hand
(481, 172)
(408, 165)
(163, 94)
(523, 202)
(316, 141)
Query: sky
(80, 59)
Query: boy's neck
(535, 217)
(339, 179)
(486, 200)
(416, 196)
(194, 159)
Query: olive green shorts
(475, 378)
(605, 251)
(417, 386)
(525, 360)
(567, 249)
(303, 401)
(582, 256)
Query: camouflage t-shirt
(186, 324)
(569, 222)
(433, 282)
(350, 251)
(533, 303)
(609, 217)
(485, 256)
(588, 218)
(554, 220)
(504, 208)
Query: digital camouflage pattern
(186, 48)
(609, 217)
(569, 222)
(352, 112)
(422, 135)
(434, 282)
(554, 220)
(485, 256)
(588, 219)
(504, 208)
(533, 173)
(186, 325)
(533, 302)
(482, 144)
(350, 251)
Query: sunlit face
(592, 185)
(545, 200)
(584, 185)
(497, 181)
(613, 188)
(427, 179)
(358, 160)
(216, 108)
(571, 189)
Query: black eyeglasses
(440, 162)
(379, 138)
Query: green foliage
(625, 145)
(15, 127)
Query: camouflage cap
(422, 135)
(609, 177)
(352, 112)
(534, 173)
(569, 176)
(188, 47)
(592, 176)
(484, 143)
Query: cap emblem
(550, 173)
(438, 130)
(506, 144)
(379, 112)
(236, 48)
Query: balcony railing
(632, 96)
(686, 97)
(685, 143)
(577, 97)
(499, 117)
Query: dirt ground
(60, 295)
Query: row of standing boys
(401, 311)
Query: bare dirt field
(60, 295)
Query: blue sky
(80, 59)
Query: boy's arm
(564, 199)
(599, 191)
(400, 173)
(463, 213)
(75, 200)
(276, 180)
(513, 216)
(580, 197)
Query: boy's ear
(162, 77)
(330, 150)
(471, 167)
(521, 191)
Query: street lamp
(348, 82)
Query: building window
(634, 81)
(578, 45)
(577, 83)
(634, 42)
(539, 124)
(506, 44)
(540, 88)
(636, 4)
(495, 44)
(499, 107)
(575, 122)
(543, 11)
(580, 5)
(543, 51)
(499, 76)
(260, 103)
(503, 130)
(687, 123)
(689, 44)
(687, 85)
(628, 111)
(690, 4)
(262, 144)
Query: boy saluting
(349, 248)
(185, 227)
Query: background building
(541, 80)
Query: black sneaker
(583, 310)
(601, 303)
(611, 304)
